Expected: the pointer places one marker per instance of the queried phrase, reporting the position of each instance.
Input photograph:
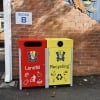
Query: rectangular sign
(24, 18)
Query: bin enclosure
(60, 61)
(32, 62)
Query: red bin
(32, 62)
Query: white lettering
(23, 14)
(32, 67)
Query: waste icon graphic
(59, 77)
(32, 56)
(60, 55)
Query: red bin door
(33, 66)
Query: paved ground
(83, 89)
(61, 93)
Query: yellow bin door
(60, 62)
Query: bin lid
(59, 42)
(32, 42)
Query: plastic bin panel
(59, 66)
(32, 71)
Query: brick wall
(56, 18)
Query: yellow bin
(59, 61)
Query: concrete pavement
(58, 93)
(84, 88)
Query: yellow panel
(59, 66)
(53, 42)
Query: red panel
(33, 63)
